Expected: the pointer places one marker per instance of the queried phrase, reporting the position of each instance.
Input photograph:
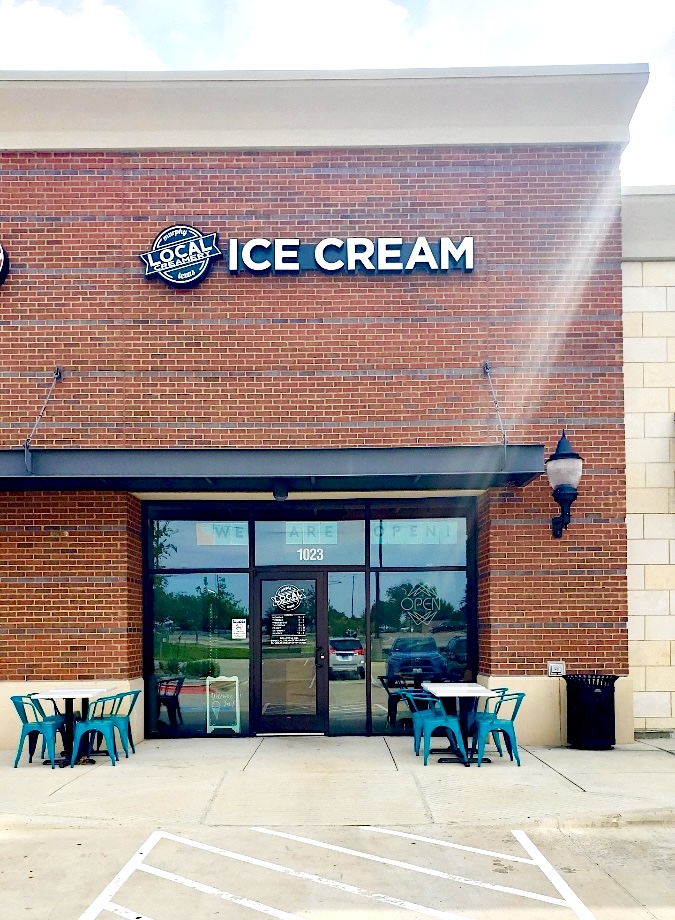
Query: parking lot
(324, 828)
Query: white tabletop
(459, 689)
(70, 693)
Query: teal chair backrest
(508, 706)
(104, 707)
(417, 700)
(127, 701)
(55, 713)
(27, 710)
(491, 703)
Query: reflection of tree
(454, 616)
(340, 623)
(390, 613)
(194, 612)
(161, 547)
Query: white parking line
(105, 897)
(446, 843)
(425, 870)
(538, 859)
(105, 902)
(223, 895)
(571, 899)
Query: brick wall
(70, 604)
(346, 361)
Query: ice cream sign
(182, 256)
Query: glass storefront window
(418, 632)
(199, 544)
(201, 654)
(309, 543)
(347, 653)
(205, 573)
(418, 542)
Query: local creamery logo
(181, 256)
(288, 597)
(4, 264)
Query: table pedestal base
(454, 757)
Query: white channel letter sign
(182, 256)
(354, 253)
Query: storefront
(314, 337)
(298, 602)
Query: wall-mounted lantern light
(563, 469)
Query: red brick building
(206, 447)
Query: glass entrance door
(291, 690)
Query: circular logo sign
(181, 256)
(288, 597)
(4, 264)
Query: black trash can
(590, 710)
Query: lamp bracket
(57, 377)
(564, 496)
(486, 373)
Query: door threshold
(291, 735)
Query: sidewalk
(306, 780)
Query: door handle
(319, 657)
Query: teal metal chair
(55, 714)
(498, 722)
(439, 718)
(487, 714)
(421, 706)
(33, 724)
(100, 718)
(121, 717)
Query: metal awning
(312, 470)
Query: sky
(149, 35)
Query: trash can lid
(592, 680)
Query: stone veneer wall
(649, 355)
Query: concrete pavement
(354, 808)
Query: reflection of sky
(183, 535)
(236, 584)
(272, 547)
(340, 587)
(424, 542)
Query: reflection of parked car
(456, 650)
(345, 656)
(455, 657)
(441, 627)
(412, 656)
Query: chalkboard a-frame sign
(223, 710)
